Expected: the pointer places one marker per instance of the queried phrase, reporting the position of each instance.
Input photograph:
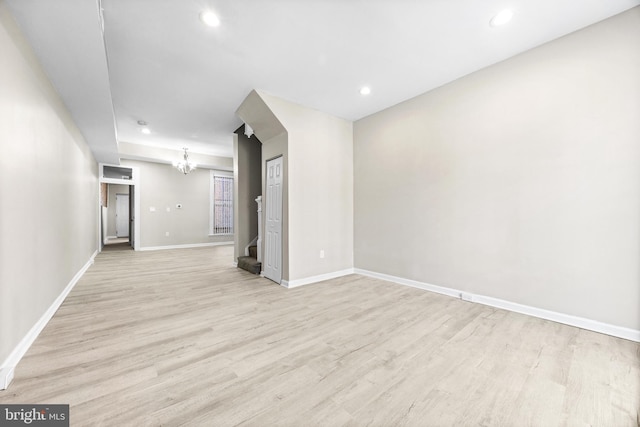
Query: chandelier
(185, 166)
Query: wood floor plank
(180, 337)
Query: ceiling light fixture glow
(366, 90)
(501, 18)
(209, 18)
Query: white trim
(190, 245)
(567, 319)
(101, 239)
(235, 264)
(259, 236)
(137, 207)
(111, 237)
(6, 376)
(8, 366)
(314, 279)
(407, 282)
(117, 181)
(135, 182)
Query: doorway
(118, 213)
(273, 222)
(119, 206)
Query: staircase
(250, 262)
(253, 257)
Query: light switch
(152, 209)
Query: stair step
(250, 264)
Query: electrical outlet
(168, 209)
(166, 234)
(321, 253)
(152, 209)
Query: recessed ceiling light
(209, 18)
(501, 18)
(366, 90)
(146, 131)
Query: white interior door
(122, 215)
(273, 234)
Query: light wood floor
(179, 337)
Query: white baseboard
(235, 264)
(408, 282)
(567, 319)
(190, 245)
(8, 366)
(314, 279)
(6, 376)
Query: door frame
(267, 204)
(135, 182)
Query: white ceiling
(163, 66)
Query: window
(221, 218)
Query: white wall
(48, 188)
(162, 187)
(519, 182)
(320, 189)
